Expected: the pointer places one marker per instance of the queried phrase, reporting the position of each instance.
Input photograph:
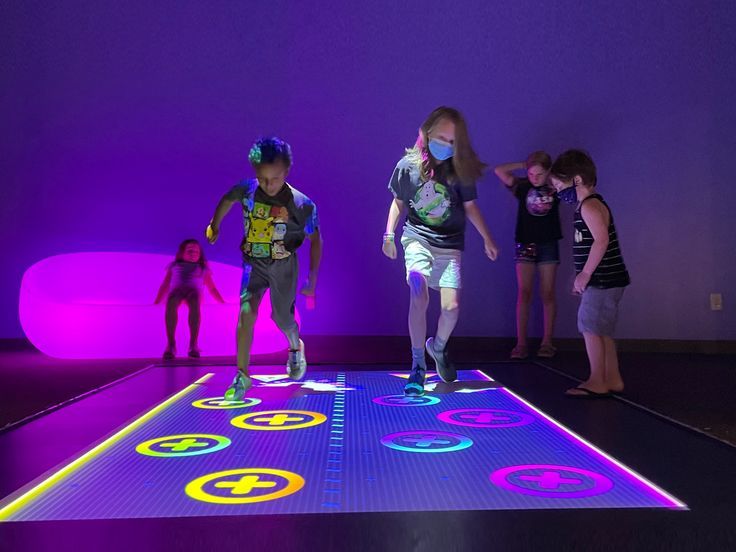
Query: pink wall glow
(100, 305)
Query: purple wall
(122, 126)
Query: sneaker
(169, 354)
(415, 385)
(238, 387)
(445, 370)
(194, 353)
(297, 364)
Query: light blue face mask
(440, 150)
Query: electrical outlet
(716, 302)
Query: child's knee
(451, 307)
(524, 295)
(417, 287)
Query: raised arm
(505, 172)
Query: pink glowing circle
(551, 481)
(485, 417)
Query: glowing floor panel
(337, 442)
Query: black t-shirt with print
(436, 214)
(275, 226)
(538, 215)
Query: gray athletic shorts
(280, 276)
(598, 311)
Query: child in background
(185, 281)
(537, 248)
(277, 219)
(601, 272)
(435, 183)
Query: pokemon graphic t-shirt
(275, 226)
(538, 217)
(436, 212)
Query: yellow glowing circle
(182, 448)
(224, 404)
(279, 420)
(195, 489)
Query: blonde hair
(465, 163)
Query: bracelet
(388, 237)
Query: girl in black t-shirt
(537, 235)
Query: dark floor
(694, 389)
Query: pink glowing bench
(100, 305)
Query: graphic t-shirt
(436, 213)
(538, 216)
(275, 226)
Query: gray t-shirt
(436, 211)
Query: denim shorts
(538, 253)
(598, 311)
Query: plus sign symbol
(485, 417)
(426, 441)
(244, 486)
(173, 446)
(218, 403)
(404, 400)
(278, 420)
(551, 481)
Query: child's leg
(596, 350)
(547, 277)
(418, 303)
(450, 304)
(246, 322)
(172, 317)
(193, 303)
(525, 283)
(613, 378)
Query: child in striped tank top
(601, 274)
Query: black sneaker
(445, 370)
(415, 385)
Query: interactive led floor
(337, 442)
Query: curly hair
(267, 151)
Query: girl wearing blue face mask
(434, 185)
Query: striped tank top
(611, 271)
